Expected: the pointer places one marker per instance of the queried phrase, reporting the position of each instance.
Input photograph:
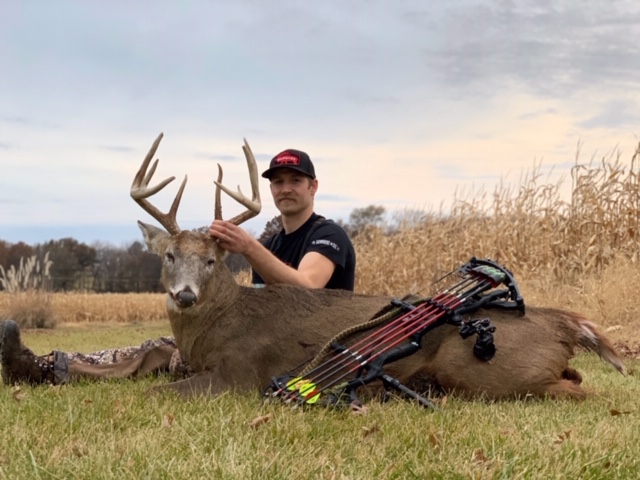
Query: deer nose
(186, 298)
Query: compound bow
(333, 377)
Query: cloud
(537, 114)
(328, 197)
(615, 114)
(17, 120)
(216, 157)
(360, 97)
(118, 148)
(12, 201)
(453, 171)
(552, 48)
(21, 121)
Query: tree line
(105, 268)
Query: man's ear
(314, 186)
(155, 238)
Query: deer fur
(238, 338)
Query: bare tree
(73, 264)
(272, 227)
(361, 218)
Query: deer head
(190, 259)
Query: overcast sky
(398, 103)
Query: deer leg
(573, 375)
(566, 389)
(154, 360)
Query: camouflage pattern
(178, 367)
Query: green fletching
(497, 276)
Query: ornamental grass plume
(29, 301)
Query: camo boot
(20, 364)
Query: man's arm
(314, 271)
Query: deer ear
(154, 237)
(220, 253)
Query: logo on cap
(286, 158)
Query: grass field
(115, 430)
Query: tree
(408, 219)
(272, 227)
(236, 262)
(360, 218)
(129, 269)
(73, 263)
(143, 268)
(4, 253)
(16, 252)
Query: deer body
(238, 338)
(532, 356)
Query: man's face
(292, 191)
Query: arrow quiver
(356, 357)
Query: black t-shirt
(326, 238)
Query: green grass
(116, 430)
(93, 336)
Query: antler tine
(254, 205)
(217, 213)
(140, 191)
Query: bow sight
(354, 360)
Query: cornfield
(532, 230)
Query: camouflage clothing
(115, 355)
(178, 367)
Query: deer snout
(185, 298)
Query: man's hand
(314, 271)
(231, 237)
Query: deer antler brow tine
(140, 191)
(253, 205)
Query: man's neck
(291, 223)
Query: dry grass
(83, 307)
(30, 303)
(30, 309)
(100, 307)
(533, 230)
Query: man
(309, 251)
(324, 260)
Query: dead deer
(238, 338)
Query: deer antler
(140, 191)
(254, 205)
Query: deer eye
(169, 257)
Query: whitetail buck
(239, 337)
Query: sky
(400, 103)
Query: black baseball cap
(293, 160)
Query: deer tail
(590, 338)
